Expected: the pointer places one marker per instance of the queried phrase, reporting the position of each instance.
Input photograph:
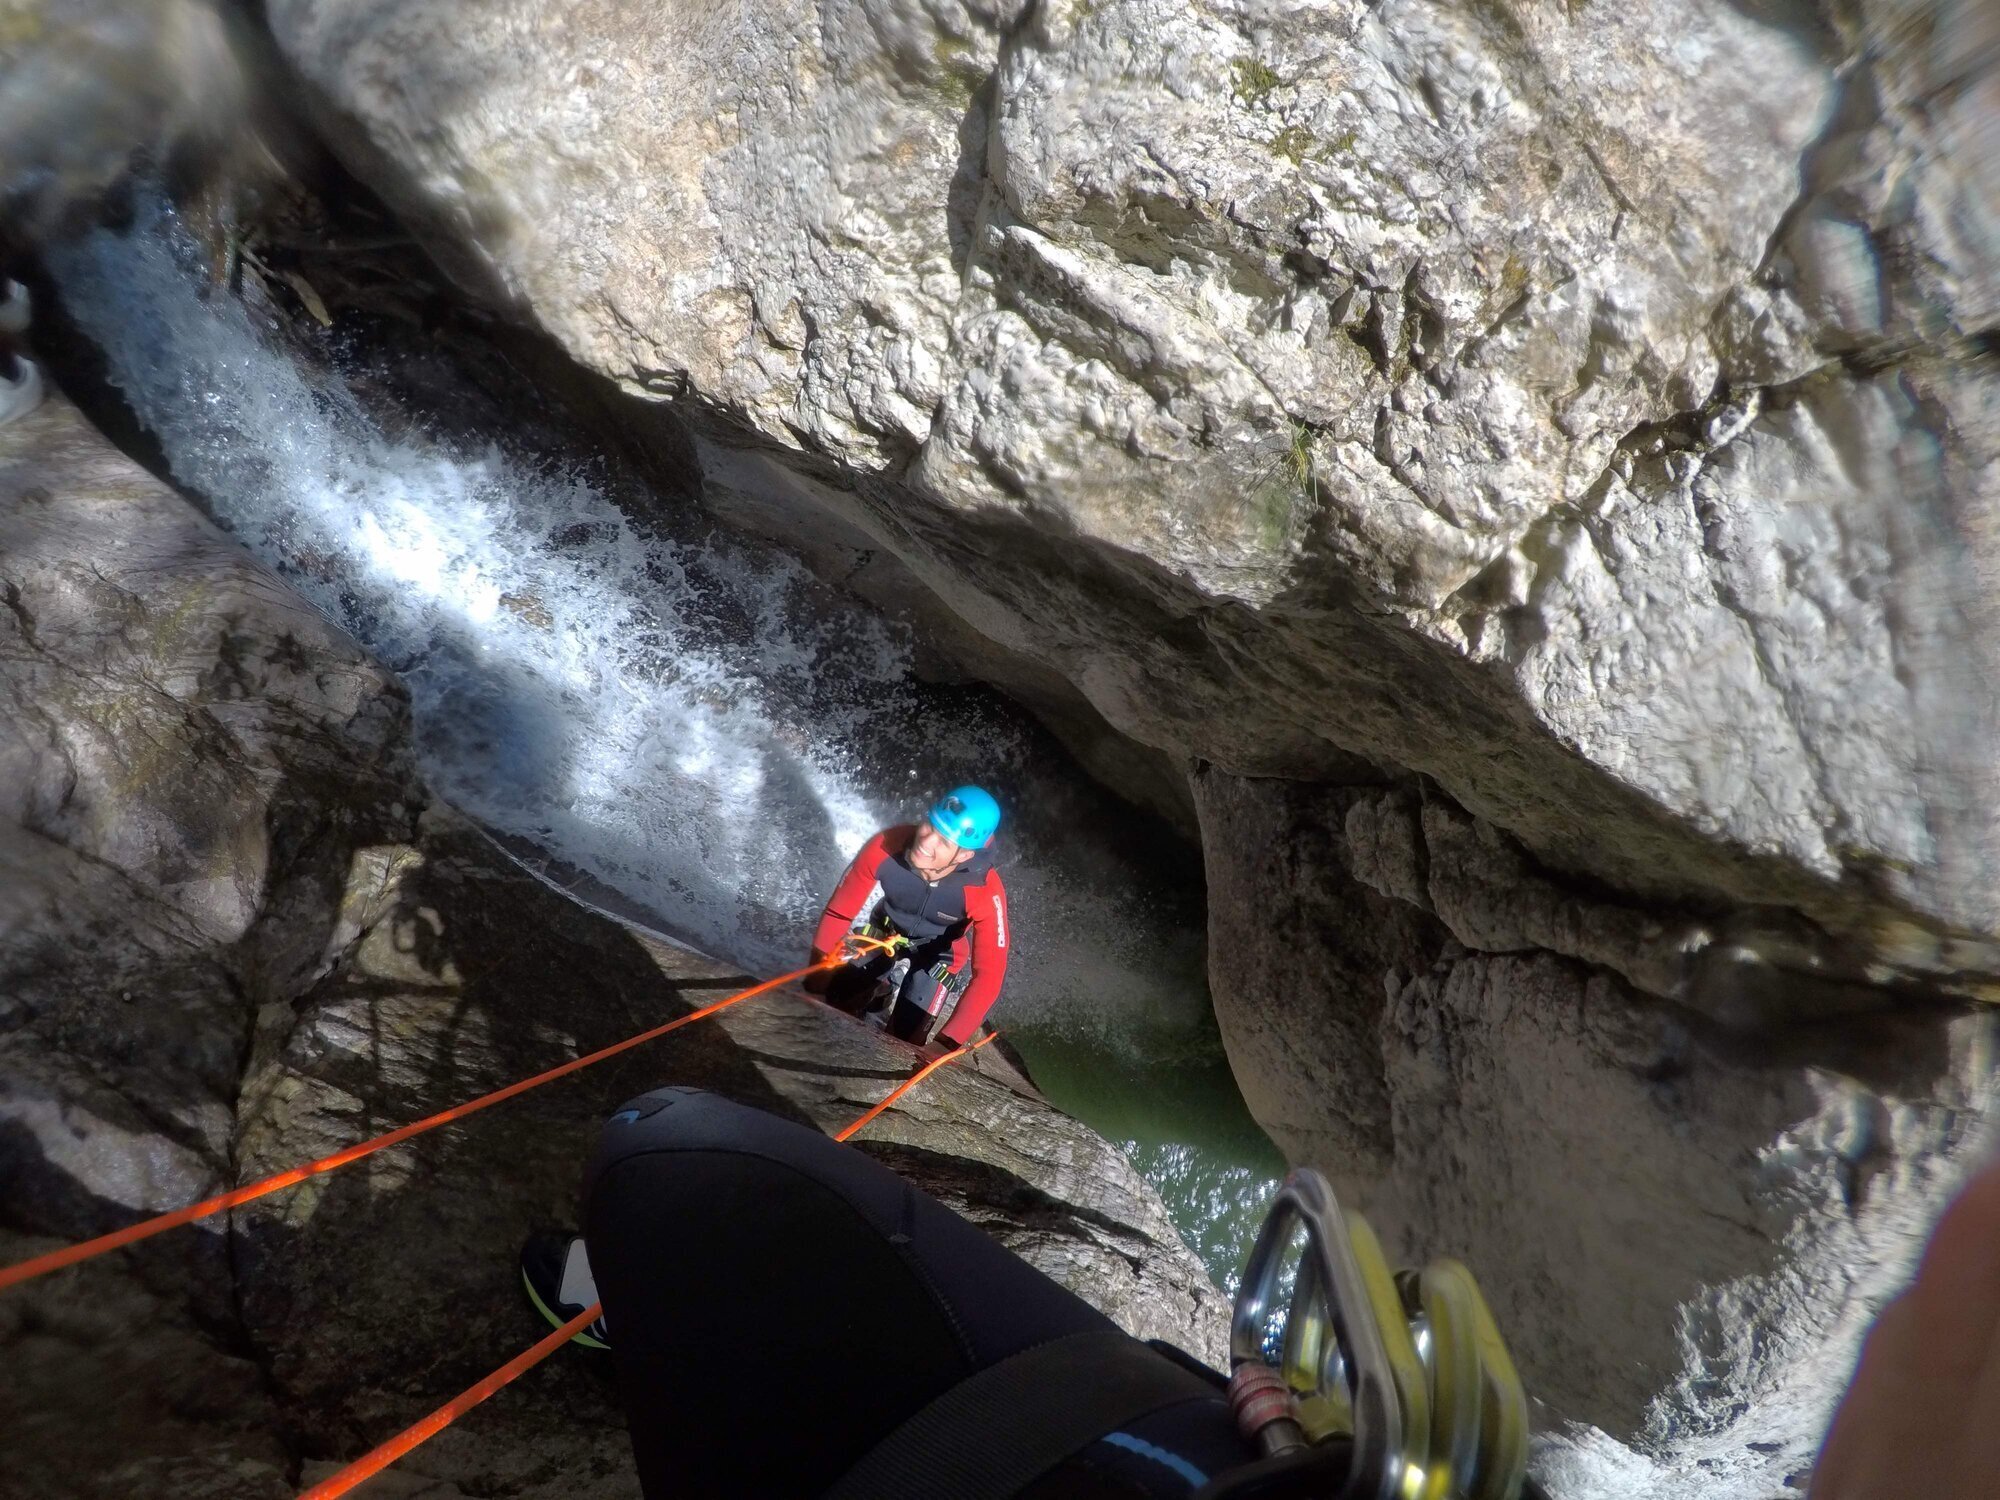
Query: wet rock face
(235, 936)
(1585, 407)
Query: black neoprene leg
(909, 1022)
(927, 991)
(852, 987)
(778, 1303)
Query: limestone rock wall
(1671, 1210)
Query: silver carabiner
(1412, 1366)
(1345, 1337)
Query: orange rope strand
(380, 1458)
(56, 1260)
(914, 1079)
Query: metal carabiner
(1411, 1366)
(1347, 1340)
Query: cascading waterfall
(688, 719)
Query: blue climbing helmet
(967, 815)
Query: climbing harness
(381, 1457)
(947, 983)
(875, 938)
(1367, 1386)
(69, 1255)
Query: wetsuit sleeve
(986, 907)
(844, 905)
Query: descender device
(1360, 1384)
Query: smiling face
(934, 856)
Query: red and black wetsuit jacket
(967, 910)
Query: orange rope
(914, 1079)
(380, 1458)
(56, 1260)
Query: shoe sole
(556, 1321)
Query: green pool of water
(1168, 1099)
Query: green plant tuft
(1299, 457)
(1292, 143)
(1253, 80)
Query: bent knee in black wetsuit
(779, 1305)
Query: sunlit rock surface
(186, 756)
(234, 937)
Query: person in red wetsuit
(934, 884)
